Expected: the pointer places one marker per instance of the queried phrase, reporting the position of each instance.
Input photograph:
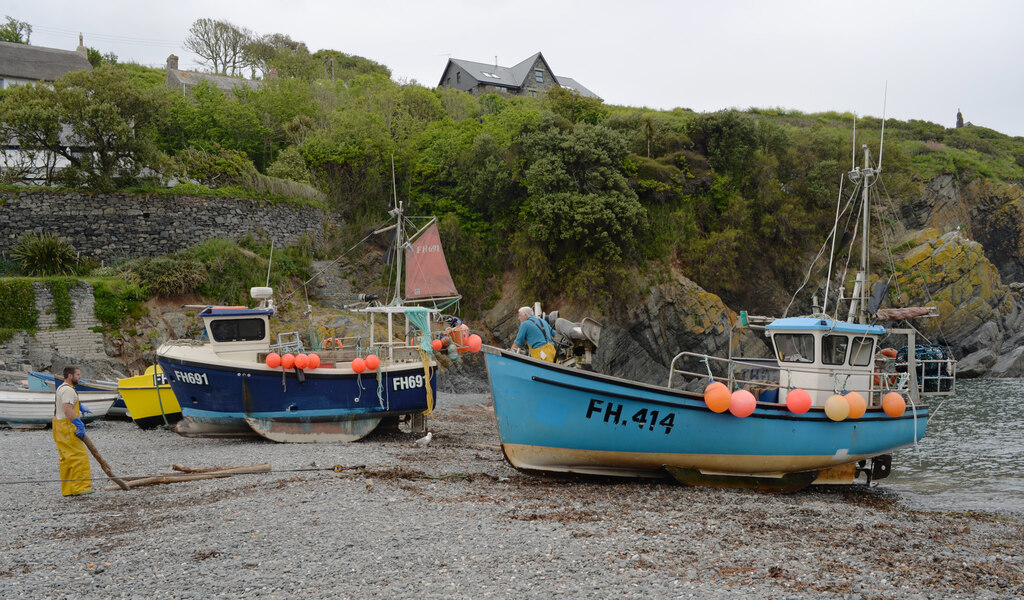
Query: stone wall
(51, 349)
(115, 226)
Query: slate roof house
(531, 77)
(185, 80)
(22, 63)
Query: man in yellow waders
(536, 334)
(68, 432)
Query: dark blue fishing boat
(235, 381)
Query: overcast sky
(808, 55)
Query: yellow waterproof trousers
(545, 352)
(74, 459)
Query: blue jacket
(533, 333)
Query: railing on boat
(934, 377)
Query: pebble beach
(454, 520)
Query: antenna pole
(853, 146)
(881, 143)
(864, 244)
(271, 261)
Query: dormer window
(539, 76)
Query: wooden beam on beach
(206, 473)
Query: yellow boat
(149, 398)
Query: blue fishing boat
(236, 381)
(829, 406)
(39, 381)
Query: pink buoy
(742, 403)
(798, 401)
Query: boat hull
(148, 404)
(552, 418)
(21, 408)
(314, 406)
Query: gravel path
(454, 520)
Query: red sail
(426, 272)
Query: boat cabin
(823, 356)
(233, 329)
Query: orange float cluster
(289, 360)
(473, 343)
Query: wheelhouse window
(794, 347)
(238, 330)
(862, 351)
(833, 349)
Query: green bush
(115, 301)
(45, 254)
(18, 304)
(60, 289)
(171, 275)
(215, 166)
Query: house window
(1, 83)
(449, 82)
(539, 76)
(458, 77)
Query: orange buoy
(890, 352)
(717, 397)
(372, 362)
(273, 360)
(798, 401)
(358, 365)
(314, 361)
(837, 408)
(893, 404)
(742, 403)
(475, 342)
(288, 360)
(301, 361)
(436, 345)
(857, 405)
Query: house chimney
(81, 47)
(172, 62)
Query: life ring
(328, 342)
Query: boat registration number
(408, 382)
(191, 377)
(612, 413)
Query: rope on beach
(335, 468)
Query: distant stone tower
(959, 119)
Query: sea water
(972, 457)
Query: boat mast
(861, 292)
(399, 225)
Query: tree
(220, 44)
(15, 31)
(96, 120)
(96, 59)
(574, 106)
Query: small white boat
(34, 409)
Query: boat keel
(784, 484)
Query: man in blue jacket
(536, 334)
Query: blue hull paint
(568, 420)
(225, 398)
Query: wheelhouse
(823, 356)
